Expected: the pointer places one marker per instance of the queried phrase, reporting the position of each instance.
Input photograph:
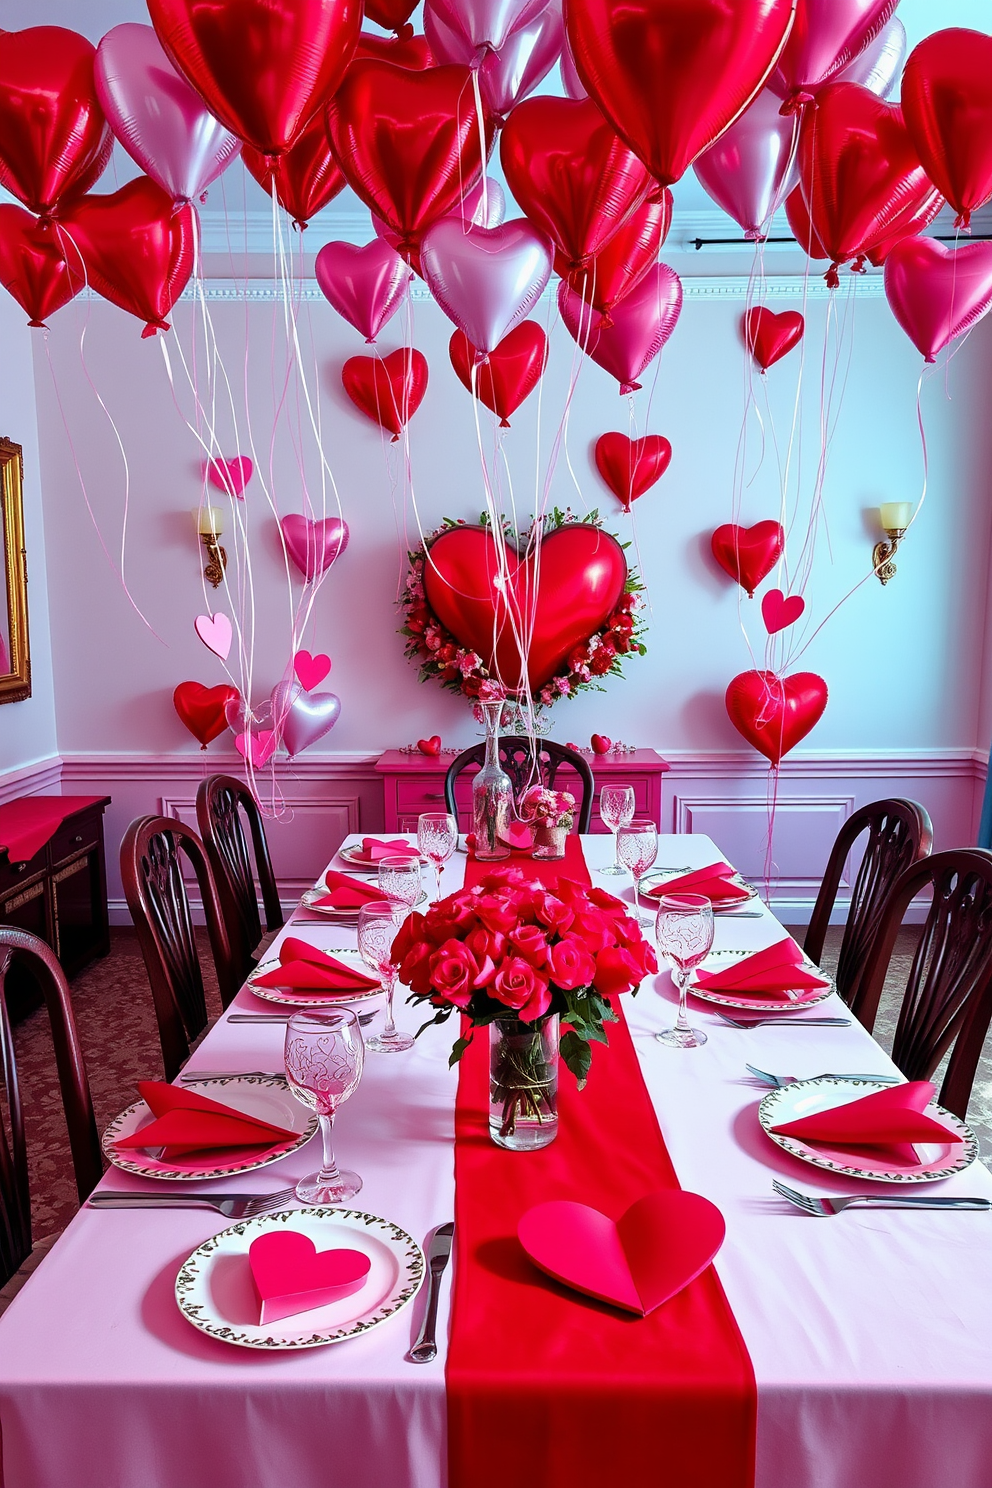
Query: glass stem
(682, 982)
(329, 1169)
(390, 988)
(616, 848)
(438, 870)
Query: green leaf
(576, 1053)
(457, 1050)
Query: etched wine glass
(324, 1060)
(616, 810)
(684, 934)
(399, 878)
(378, 924)
(437, 838)
(637, 848)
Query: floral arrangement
(441, 655)
(547, 808)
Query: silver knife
(363, 1018)
(425, 1348)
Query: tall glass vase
(492, 793)
(523, 1083)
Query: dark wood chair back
(223, 805)
(516, 754)
(947, 1005)
(152, 856)
(899, 834)
(84, 1144)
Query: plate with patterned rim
(664, 875)
(354, 854)
(807, 1097)
(265, 1096)
(215, 1292)
(803, 998)
(309, 902)
(295, 997)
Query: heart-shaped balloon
(402, 50)
(230, 475)
(627, 341)
(313, 546)
(879, 66)
(257, 746)
(826, 35)
(937, 293)
(431, 747)
(774, 713)
(262, 68)
(306, 177)
(486, 279)
(629, 255)
(908, 227)
(311, 670)
(769, 337)
(671, 76)
(477, 208)
(366, 285)
(202, 709)
(778, 612)
(137, 247)
(240, 718)
(32, 266)
(571, 173)
(947, 101)
(751, 169)
(581, 578)
(291, 1275)
(485, 25)
(509, 373)
(802, 228)
(748, 554)
(507, 76)
(162, 123)
(301, 718)
(54, 139)
(391, 15)
(388, 390)
(216, 632)
(632, 466)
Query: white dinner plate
(293, 997)
(309, 902)
(266, 1096)
(215, 1292)
(806, 1097)
(664, 875)
(354, 854)
(803, 997)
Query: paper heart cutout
(519, 836)
(601, 744)
(632, 466)
(216, 632)
(203, 709)
(774, 713)
(291, 1275)
(430, 746)
(258, 745)
(777, 611)
(663, 1242)
(311, 670)
(747, 554)
(770, 337)
(230, 475)
(388, 391)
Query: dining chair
(899, 834)
(516, 755)
(152, 856)
(20, 1253)
(223, 805)
(947, 1004)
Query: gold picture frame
(15, 667)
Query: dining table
(870, 1333)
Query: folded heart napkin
(774, 971)
(307, 968)
(346, 893)
(891, 1119)
(187, 1123)
(374, 848)
(291, 1275)
(714, 882)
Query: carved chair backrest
(223, 804)
(517, 756)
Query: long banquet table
(870, 1334)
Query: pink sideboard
(413, 783)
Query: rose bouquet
(547, 808)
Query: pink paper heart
(519, 836)
(291, 1275)
(216, 633)
(259, 746)
(230, 475)
(777, 611)
(663, 1242)
(311, 669)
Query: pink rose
(594, 929)
(616, 971)
(553, 913)
(496, 912)
(531, 943)
(411, 930)
(520, 986)
(570, 963)
(482, 943)
(453, 972)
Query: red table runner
(545, 1387)
(28, 823)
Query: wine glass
(637, 848)
(616, 810)
(324, 1059)
(399, 878)
(684, 934)
(377, 926)
(437, 838)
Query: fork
(823, 1208)
(232, 1206)
(192, 1077)
(789, 1022)
(779, 1082)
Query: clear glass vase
(492, 794)
(523, 1083)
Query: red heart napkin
(374, 849)
(291, 1275)
(187, 1122)
(892, 1119)
(305, 967)
(347, 893)
(774, 970)
(714, 882)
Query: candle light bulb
(209, 521)
(895, 515)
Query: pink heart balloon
(637, 329)
(313, 546)
(302, 718)
(366, 285)
(216, 632)
(486, 23)
(879, 66)
(506, 76)
(937, 293)
(230, 475)
(479, 210)
(778, 612)
(256, 736)
(162, 123)
(311, 670)
(751, 169)
(826, 36)
(486, 279)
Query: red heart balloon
(629, 255)
(581, 580)
(747, 554)
(391, 15)
(510, 372)
(802, 228)
(431, 746)
(908, 227)
(263, 67)
(201, 708)
(571, 173)
(307, 176)
(773, 713)
(826, 36)
(631, 466)
(947, 102)
(861, 176)
(405, 51)
(408, 142)
(137, 247)
(388, 391)
(54, 138)
(672, 76)
(32, 266)
(769, 337)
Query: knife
(425, 1348)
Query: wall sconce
(895, 517)
(209, 524)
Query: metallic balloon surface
(748, 554)
(486, 23)
(314, 545)
(366, 284)
(477, 208)
(402, 50)
(486, 279)
(879, 66)
(937, 293)
(522, 62)
(388, 390)
(774, 713)
(201, 709)
(632, 466)
(947, 101)
(826, 35)
(32, 266)
(307, 176)
(770, 337)
(301, 718)
(638, 329)
(510, 372)
(570, 80)
(751, 169)
(629, 255)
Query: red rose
(616, 971)
(594, 929)
(453, 916)
(603, 659)
(411, 930)
(519, 986)
(415, 968)
(471, 686)
(531, 943)
(453, 971)
(482, 943)
(578, 658)
(551, 912)
(570, 963)
(609, 904)
(496, 912)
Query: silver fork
(232, 1206)
(785, 1022)
(779, 1082)
(823, 1208)
(192, 1077)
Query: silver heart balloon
(303, 717)
(486, 279)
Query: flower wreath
(460, 670)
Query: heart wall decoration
(775, 713)
(632, 466)
(202, 709)
(748, 554)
